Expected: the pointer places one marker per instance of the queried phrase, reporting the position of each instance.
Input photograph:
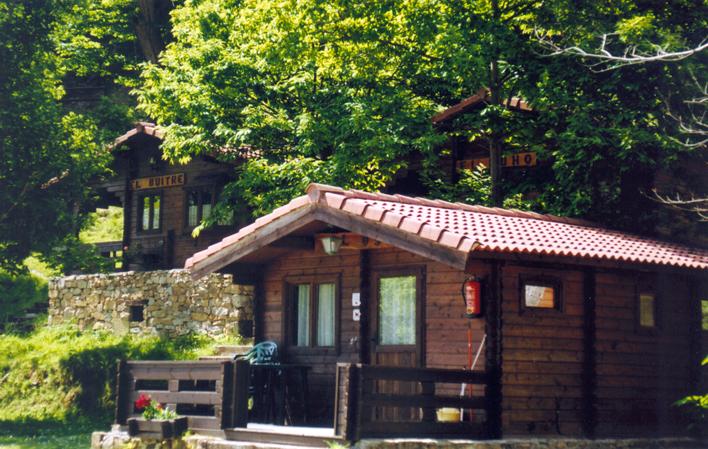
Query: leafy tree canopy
(343, 91)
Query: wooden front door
(397, 331)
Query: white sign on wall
(356, 315)
(356, 299)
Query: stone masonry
(166, 303)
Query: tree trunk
(147, 28)
(495, 149)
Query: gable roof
(444, 231)
(150, 129)
(483, 96)
(146, 128)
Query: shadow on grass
(50, 434)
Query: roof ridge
(316, 190)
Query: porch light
(331, 244)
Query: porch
(369, 402)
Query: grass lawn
(49, 436)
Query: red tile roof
(483, 96)
(464, 228)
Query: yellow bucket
(448, 414)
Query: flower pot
(158, 429)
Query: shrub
(19, 292)
(60, 373)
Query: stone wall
(165, 303)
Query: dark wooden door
(397, 331)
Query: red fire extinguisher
(472, 296)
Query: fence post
(428, 390)
(122, 392)
(227, 394)
(241, 384)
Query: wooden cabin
(163, 202)
(461, 152)
(587, 331)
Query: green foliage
(696, 407)
(103, 225)
(42, 435)
(19, 292)
(71, 256)
(342, 92)
(46, 154)
(475, 187)
(59, 373)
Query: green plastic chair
(263, 353)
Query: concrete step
(215, 357)
(232, 350)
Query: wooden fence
(367, 395)
(212, 394)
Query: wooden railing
(112, 251)
(370, 405)
(212, 394)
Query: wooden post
(227, 394)
(122, 392)
(259, 308)
(493, 359)
(364, 293)
(589, 374)
(345, 414)
(241, 383)
(428, 390)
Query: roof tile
(466, 228)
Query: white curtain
(325, 315)
(397, 302)
(156, 213)
(303, 315)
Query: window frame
(289, 326)
(215, 193)
(420, 274)
(640, 328)
(553, 282)
(141, 211)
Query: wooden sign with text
(511, 160)
(155, 182)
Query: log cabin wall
(445, 328)
(637, 373)
(307, 266)
(641, 372)
(542, 355)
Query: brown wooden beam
(364, 294)
(394, 236)
(493, 357)
(589, 374)
(254, 241)
(294, 242)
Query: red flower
(142, 401)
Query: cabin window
(313, 314)
(397, 310)
(647, 310)
(540, 293)
(200, 204)
(149, 219)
